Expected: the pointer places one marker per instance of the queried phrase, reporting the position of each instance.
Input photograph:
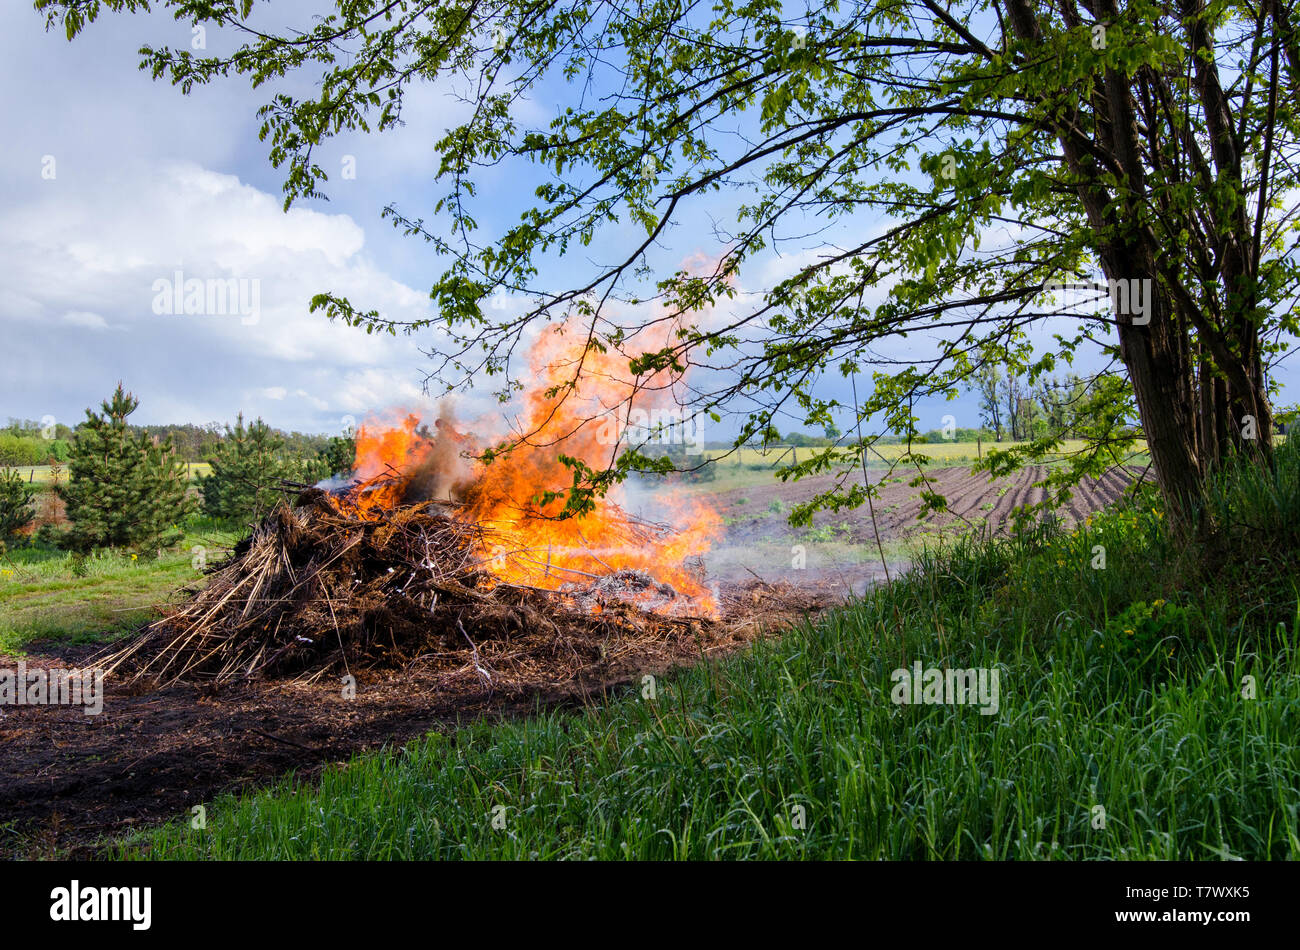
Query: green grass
(40, 474)
(795, 750)
(56, 596)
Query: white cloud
(84, 318)
(78, 259)
(308, 397)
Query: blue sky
(147, 182)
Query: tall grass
(795, 749)
(54, 595)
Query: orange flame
(576, 410)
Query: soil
(840, 548)
(751, 518)
(72, 780)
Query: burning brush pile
(433, 554)
(319, 589)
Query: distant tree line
(196, 443)
(1010, 407)
(25, 442)
(28, 442)
(956, 434)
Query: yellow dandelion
(1159, 603)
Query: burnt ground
(71, 780)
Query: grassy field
(1147, 710)
(54, 595)
(40, 474)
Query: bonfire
(318, 589)
(430, 548)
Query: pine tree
(165, 501)
(336, 459)
(247, 466)
(16, 511)
(123, 490)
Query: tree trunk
(1192, 407)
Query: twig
(482, 672)
(268, 735)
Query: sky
(115, 188)
(112, 183)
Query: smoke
(336, 483)
(650, 500)
(443, 472)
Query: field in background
(40, 474)
(745, 465)
(939, 452)
(59, 597)
(748, 467)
